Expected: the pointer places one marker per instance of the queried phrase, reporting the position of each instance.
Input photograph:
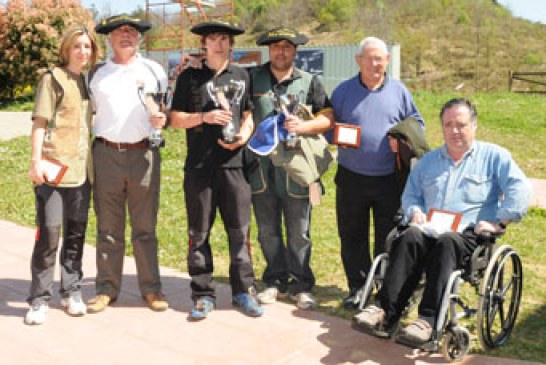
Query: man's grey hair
(375, 42)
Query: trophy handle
(301, 97)
(240, 87)
(212, 92)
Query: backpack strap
(90, 75)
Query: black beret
(282, 33)
(217, 26)
(116, 21)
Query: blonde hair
(69, 38)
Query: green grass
(19, 104)
(514, 121)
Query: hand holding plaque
(228, 97)
(347, 135)
(439, 221)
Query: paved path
(14, 124)
(130, 333)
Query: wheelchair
(494, 271)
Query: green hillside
(445, 44)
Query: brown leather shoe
(99, 303)
(156, 301)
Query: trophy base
(157, 143)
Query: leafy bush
(29, 39)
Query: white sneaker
(74, 306)
(270, 295)
(304, 300)
(36, 314)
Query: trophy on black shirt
(228, 97)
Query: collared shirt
(486, 184)
(375, 112)
(118, 94)
(316, 96)
(192, 95)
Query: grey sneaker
(36, 314)
(270, 295)
(304, 300)
(418, 332)
(74, 305)
(370, 317)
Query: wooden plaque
(443, 219)
(347, 135)
(54, 170)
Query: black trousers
(414, 253)
(61, 212)
(356, 196)
(205, 192)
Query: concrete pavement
(129, 333)
(14, 124)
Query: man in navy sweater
(365, 179)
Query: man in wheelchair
(476, 182)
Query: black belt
(121, 146)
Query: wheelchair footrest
(430, 346)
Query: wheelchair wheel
(456, 344)
(500, 296)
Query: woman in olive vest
(59, 168)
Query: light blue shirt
(486, 185)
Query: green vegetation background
(514, 121)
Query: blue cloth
(267, 135)
(487, 185)
(375, 111)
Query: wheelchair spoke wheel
(456, 344)
(500, 296)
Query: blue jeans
(287, 267)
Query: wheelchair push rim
(500, 296)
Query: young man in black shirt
(213, 105)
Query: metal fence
(334, 63)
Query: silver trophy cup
(289, 103)
(227, 97)
(154, 103)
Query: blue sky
(534, 10)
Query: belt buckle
(119, 147)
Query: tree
(29, 39)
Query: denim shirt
(487, 185)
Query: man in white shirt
(127, 166)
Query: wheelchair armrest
(489, 238)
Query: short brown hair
(231, 38)
(69, 38)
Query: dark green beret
(116, 21)
(217, 26)
(282, 33)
